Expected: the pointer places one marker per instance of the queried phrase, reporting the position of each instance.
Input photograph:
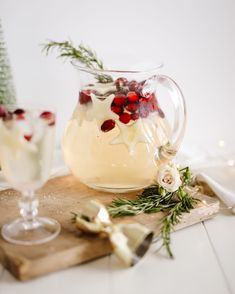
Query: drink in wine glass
(26, 147)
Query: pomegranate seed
(135, 116)
(84, 96)
(132, 107)
(120, 100)
(121, 82)
(28, 137)
(161, 113)
(3, 111)
(132, 96)
(133, 86)
(108, 125)
(116, 109)
(125, 117)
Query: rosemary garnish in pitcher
(81, 54)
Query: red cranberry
(20, 117)
(19, 111)
(3, 111)
(132, 107)
(116, 109)
(49, 116)
(135, 116)
(125, 117)
(119, 100)
(108, 125)
(84, 96)
(28, 137)
(121, 82)
(133, 86)
(132, 96)
(143, 102)
(19, 114)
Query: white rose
(169, 177)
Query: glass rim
(119, 71)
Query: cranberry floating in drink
(26, 147)
(121, 129)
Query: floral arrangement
(168, 194)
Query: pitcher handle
(180, 116)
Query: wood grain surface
(58, 198)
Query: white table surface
(195, 39)
(203, 263)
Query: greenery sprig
(81, 54)
(155, 199)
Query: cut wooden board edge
(210, 209)
(24, 269)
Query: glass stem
(28, 206)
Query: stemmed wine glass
(26, 147)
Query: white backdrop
(194, 38)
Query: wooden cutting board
(58, 198)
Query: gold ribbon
(129, 241)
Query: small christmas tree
(7, 91)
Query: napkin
(226, 195)
(216, 168)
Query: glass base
(41, 230)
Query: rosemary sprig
(184, 205)
(82, 54)
(155, 199)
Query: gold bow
(129, 241)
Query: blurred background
(194, 38)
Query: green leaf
(154, 199)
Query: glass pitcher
(123, 128)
